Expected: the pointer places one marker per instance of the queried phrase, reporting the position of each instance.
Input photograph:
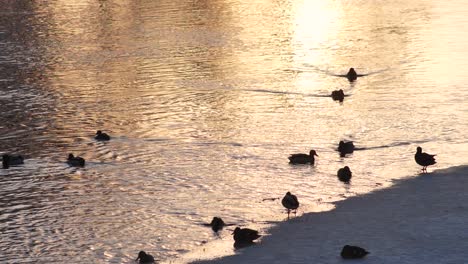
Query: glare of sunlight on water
(315, 24)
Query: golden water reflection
(205, 100)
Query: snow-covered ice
(421, 219)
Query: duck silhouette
(303, 158)
(424, 159)
(338, 95)
(11, 160)
(75, 161)
(345, 148)
(351, 75)
(144, 258)
(290, 202)
(344, 174)
(217, 224)
(100, 136)
(353, 252)
(244, 236)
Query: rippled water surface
(204, 101)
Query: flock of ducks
(245, 236)
(15, 159)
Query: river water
(204, 101)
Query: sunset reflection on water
(204, 101)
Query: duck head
(418, 150)
(313, 153)
(216, 221)
(141, 255)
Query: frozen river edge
(420, 219)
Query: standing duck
(144, 258)
(11, 160)
(353, 252)
(303, 158)
(424, 159)
(344, 174)
(338, 95)
(75, 161)
(101, 136)
(290, 202)
(345, 148)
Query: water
(205, 101)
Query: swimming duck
(144, 258)
(217, 224)
(351, 75)
(75, 161)
(101, 136)
(353, 252)
(338, 95)
(424, 159)
(344, 174)
(245, 235)
(290, 202)
(345, 147)
(303, 158)
(11, 160)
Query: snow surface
(422, 219)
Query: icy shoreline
(418, 220)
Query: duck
(424, 159)
(345, 147)
(344, 174)
(353, 252)
(245, 235)
(144, 258)
(303, 158)
(75, 161)
(11, 160)
(338, 95)
(351, 75)
(290, 202)
(101, 136)
(217, 224)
